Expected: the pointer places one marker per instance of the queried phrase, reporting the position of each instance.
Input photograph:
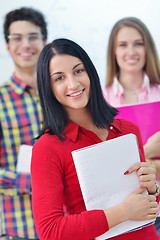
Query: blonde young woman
(133, 73)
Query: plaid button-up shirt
(20, 123)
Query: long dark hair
(55, 117)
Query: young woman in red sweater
(75, 116)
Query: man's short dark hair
(25, 14)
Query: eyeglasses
(33, 38)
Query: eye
(78, 71)
(16, 38)
(139, 44)
(33, 37)
(59, 78)
(122, 45)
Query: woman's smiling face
(70, 82)
(130, 51)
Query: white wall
(86, 22)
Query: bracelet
(157, 192)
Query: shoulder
(108, 90)
(49, 144)
(154, 92)
(46, 141)
(5, 84)
(50, 151)
(126, 126)
(155, 86)
(4, 87)
(109, 94)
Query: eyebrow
(27, 33)
(62, 72)
(139, 40)
(136, 40)
(77, 65)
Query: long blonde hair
(152, 67)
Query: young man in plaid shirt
(20, 120)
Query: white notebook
(24, 159)
(100, 169)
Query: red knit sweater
(55, 185)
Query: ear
(8, 47)
(44, 43)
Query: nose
(25, 42)
(73, 82)
(131, 50)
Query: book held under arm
(146, 116)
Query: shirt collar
(146, 82)
(119, 90)
(18, 85)
(117, 87)
(72, 130)
(115, 125)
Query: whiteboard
(87, 22)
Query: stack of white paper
(100, 169)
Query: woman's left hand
(146, 174)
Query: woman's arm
(152, 151)
(152, 146)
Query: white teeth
(131, 60)
(25, 54)
(76, 94)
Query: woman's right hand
(136, 207)
(140, 206)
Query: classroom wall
(87, 22)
